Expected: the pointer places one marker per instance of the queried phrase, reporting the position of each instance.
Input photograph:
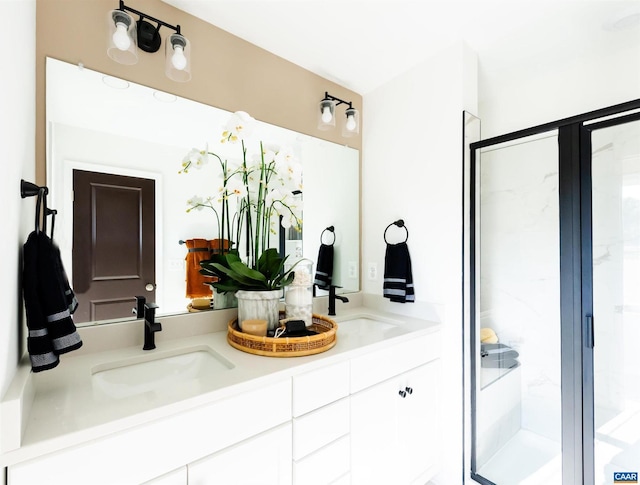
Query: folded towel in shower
(49, 303)
(398, 278)
(498, 356)
(324, 267)
(197, 250)
(500, 364)
(498, 351)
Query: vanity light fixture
(327, 116)
(126, 35)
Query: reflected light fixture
(327, 116)
(126, 35)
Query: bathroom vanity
(365, 411)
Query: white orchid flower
(236, 187)
(289, 170)
(233, 166)
(286, 222)
(272, 196)
(195, 202)
(239, 127)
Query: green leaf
(270, 264)
(246, 273)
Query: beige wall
(227, 72)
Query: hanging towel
(398, 279)
(219, 246)
(49, 303)
(324, 267)
(198, 250)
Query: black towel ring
(399, 223)
(28, 189)
(331, 229)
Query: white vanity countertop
(68, 409)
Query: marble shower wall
(519, 257)
(616, 267)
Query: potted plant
(262, 188)
(257, 289)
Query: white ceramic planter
(262, 305)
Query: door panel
(616, 299)
(518, 403)
(113, 243)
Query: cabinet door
(266, 458)
(418, 433)
(374, 425)
(394, 429)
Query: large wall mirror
(98, 124)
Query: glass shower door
(517, 401)
(616, 299)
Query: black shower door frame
(576, 281)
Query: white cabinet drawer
(167, 444)
(324, 466)
(319, 428)
(374, 367)
(263, 459)
(316, 388)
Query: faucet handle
(150, 312)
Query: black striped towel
(398, 280)
(324, 267)
(49, 303)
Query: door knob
(409, 390)
(402, 394)
(149, 287)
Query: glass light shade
(122, 41)
(351, 126)
(326, 114)
(177, 65)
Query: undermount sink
(168, 372)
(368, 328)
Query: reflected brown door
(113, 244)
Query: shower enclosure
(554, 301)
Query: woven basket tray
(286, 346)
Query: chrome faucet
(151, 326)
(333, 297)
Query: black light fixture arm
(339, 101)
(144, 16)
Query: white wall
(547, 91)
(17, 119)
(412, 169)
(17, 134)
